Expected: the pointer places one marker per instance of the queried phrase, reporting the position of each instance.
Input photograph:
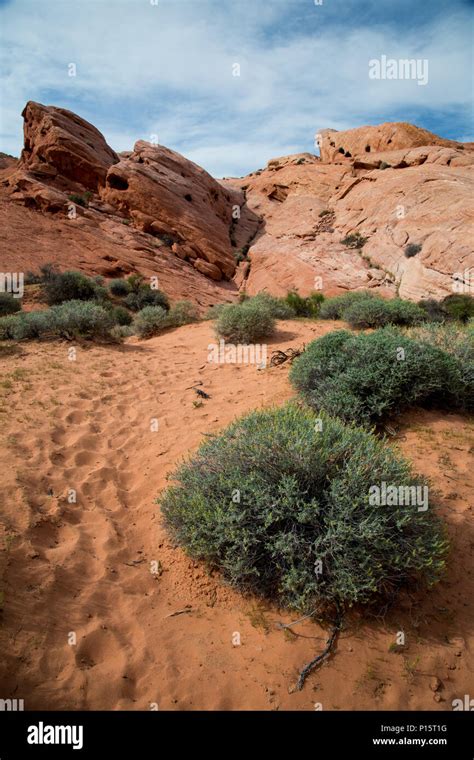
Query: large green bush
(247, 322)
(366, 377)
(332, 308)
(279, 502)
(9, 304)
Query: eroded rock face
(336, 146)
(309, 208)
(151, 209)
(170, 197)
(58, 143)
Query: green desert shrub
(120, 316)
(434, 310)
(458, 341)
(459, 306)
(305, 307)
(27, 325)
(150, 321)
(215, 311)
(247, 322)
(118, 332)
(378, 312)
(281, 502)
(9, 304)
(81, 319)
(67, 320)
(366, 377)
(412, 249)
(146, 296)
(120, 287)
(332, 308)
(81, 200)
(355, 240)
(70, 286)
(277, 307)
(182, 313)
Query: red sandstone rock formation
(151, 209)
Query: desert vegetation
(365, 378)
(280, 490)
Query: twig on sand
(321, 657)
(188, 608)
(279, 357)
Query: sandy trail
(82, 566)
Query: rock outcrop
(59, 144)
(170, 197)
(334, 146)
(400, 192)
(288, 226)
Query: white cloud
(167, 69)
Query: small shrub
(120, 316)
(9, 304)
(304, 497)
(118, 332)
(81, 200)
(146, 296)
(458, 341)
(371, 312)
(383, 165)
(304, 307)
(80, 319)
(459, 306)
(412, 249)
(70, 286)
(248, 322)
(277, 307)
(364, 378)
(120, 287)
(67, 320)
(355, 240)
(150, 321)
(434, 310)
(182, 313)
(136, 281)
(378, 312)
(332, 308)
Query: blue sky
(166, 69)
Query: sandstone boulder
(58, 142)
